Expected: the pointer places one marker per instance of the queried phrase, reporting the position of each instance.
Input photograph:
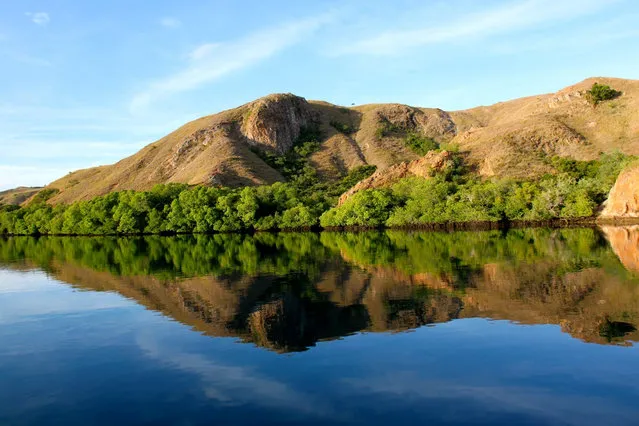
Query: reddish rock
(623, 200)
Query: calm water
(527, 327)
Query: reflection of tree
(615, 330)
(287, 291)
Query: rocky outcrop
(423, 167)
(275, 121)
(623, 200)
(434, 123)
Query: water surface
(519, 327)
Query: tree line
(576, 190)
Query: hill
(232, 148)
(18, 195)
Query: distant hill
(18, 195)
(506, 139)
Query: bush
(601, 92)
(365, 208)
(386, 128)
(420, 144)
(344, 128)
(44, 195)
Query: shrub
(420, 144)
(44, 195)
(386, 128)
(601, 92)
(344, 128)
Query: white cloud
(210, 62)
(235, 385)
(39, 18)
(203, 50)
(512, 17)
(170, 22)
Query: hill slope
(506, 139)
(18, 195)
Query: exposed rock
(433, 123)
(198, 141)
(274, 122)
(623, 200)
(423, 167)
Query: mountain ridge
(510, 138)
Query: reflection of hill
(288, 291)
(281, 313)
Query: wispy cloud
(39, 18)
(170, 22)
(212, 61)
(583, 40)
(235, 385)
(203, 50)
(511, 17)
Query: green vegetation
(344, 128)
(453, 195)
(414, 141)
(44, 195)
(294, 165)
(284, 253)
(420, 144)
(176, 208)
(576, 191)
(386, 128)
(601, 92)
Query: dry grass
(18, 196)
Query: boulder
(623, 200)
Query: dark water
(526, 327)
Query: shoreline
(582, 222)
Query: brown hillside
(18, 195)
(506, 139)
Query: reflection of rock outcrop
(582, 302)
(624, 241)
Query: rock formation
(623, 201)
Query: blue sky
(87, 83)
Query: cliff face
(623, 201)
(274, 122)
(511, 138)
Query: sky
(88, 83)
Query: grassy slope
(17, 196)
(508, 139)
